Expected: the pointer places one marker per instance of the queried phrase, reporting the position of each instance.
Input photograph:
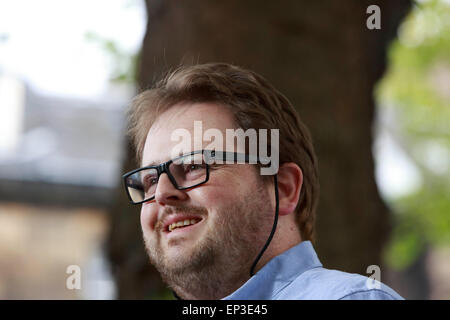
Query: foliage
(417, 90)
(124, 64)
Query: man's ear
(290, 181)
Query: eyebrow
(153, 163)
(157, 162)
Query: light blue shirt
(298, 274)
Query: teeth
(182, 223)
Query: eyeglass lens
(187, 171)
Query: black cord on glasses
(274, 227)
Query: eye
(149, 181)
(192, 167)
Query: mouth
(180, 224)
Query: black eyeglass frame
(210, 157)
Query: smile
(182, 224)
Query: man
(224, 220)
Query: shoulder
(326, 284)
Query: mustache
(200, 211)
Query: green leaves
(416, 89)
(123, 63)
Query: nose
(166, 193)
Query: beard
(220, 261)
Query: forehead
(183, 126)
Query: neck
(286, 236)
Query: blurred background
(376, 101)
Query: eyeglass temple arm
(235, 157)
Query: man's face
(232, 211)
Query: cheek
(215, 195)
(225, 187)
(147, 217)
(144, 219)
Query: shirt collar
(278, 273)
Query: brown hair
(254, 104)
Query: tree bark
(321, 55)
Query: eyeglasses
(185, 172)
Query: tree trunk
(321, 55)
